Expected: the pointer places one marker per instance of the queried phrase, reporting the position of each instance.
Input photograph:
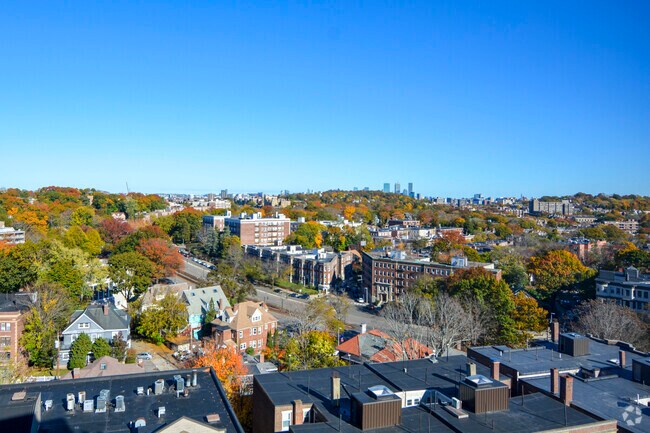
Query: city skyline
(508, 98)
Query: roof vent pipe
(195, 378)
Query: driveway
(162, 356)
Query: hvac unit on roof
(48, 405)
(119, 404)
(69, 402)
(158, 386)
(89, 405)
(161, 411)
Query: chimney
(555, 381)
(75, 373)
(261, 357)
(105, 309)
(495, 370)
(471, 369)
(298, 417)
(335, 388)
(566, 389)
(555, 331)
(621, 358)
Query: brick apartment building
(388, 274)
(317, 268)
(244, 326)
(13, 307)
(564, 207)
(255, 230)
(214, 222)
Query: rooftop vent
(69, 402)
(81, 397)
(119, 404)
(140, 390)
(479, 380)
(89, 405)
(212, 418)
(140, 422)
(161, 411)
(158, 386)
(482, 394)
(573, 344)
(48, 405)
(180, 383)
(101, 404)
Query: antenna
(127, 187)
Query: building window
(102, 366)
(241, 334)
(286, 420)
(242, 346)
(5, 341)
(5, 326)
(254, 331)
(253, 344)
(84, 325)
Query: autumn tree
(227, 364)
(165, 258)
(82, 216)
(313, 349)
(309, 235)
(555, 270)
(18, 267)
(446, 246)
(114, 230)
(528, 318)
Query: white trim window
(84, 325)
(5, 326)
(286, 420)
(242, 346)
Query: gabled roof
(240, 316)
(159, 291)
(11, 302)
(113, 319)
(104, 366)
(377, 346)
(198, 300)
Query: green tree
(309, 235)
(18, 267)
(132, 272)
(79, 351)
(164, 319)
(82, 216)
(118, 347)
(101, 348)
(528, 317)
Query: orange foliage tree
(227, 364)
(166, 259)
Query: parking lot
(162, 359)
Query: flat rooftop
(540, 359)
(609, 397)
(206, 398)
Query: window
(65, 356)
(242, 346)
(253, 344)
(409, 402)
(259, 343)
(102, 366)
(241, 334)
(5, 341)
(286, 420)
(416, 401)
(84, 325)
(5, 326)
(254, 331)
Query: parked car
(144, 355)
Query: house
(443, 395)
(13, 307)
(377, 346)
(104, 366)
(157, 292)
(244, 326)
(98, 321)
(198, 304)
(170, 401)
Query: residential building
(317, 268)
(601, 378)
(96, 320)
(564, 207)
(11, 235)
(585, 220)
(104, 366)
(245, 326)
(157, 292)
(13, 307)
(403, 223)
(629, 288)
(172, 401)
(629, 226)
(387, 274)
(198, 304)
(444, 395)
(214, 222)
(377, 346)
(255, 230)
(581, 247)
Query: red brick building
(12, 310)
(246, 325)
(255, 230)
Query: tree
(165, 258)
(313, 349)
(402, 320)
(444, 321)
(82, 216)
(118, 347)
(557, 269)
(46, 316)
(309, 235)
(79, 351)
(131, 272)
(611, 321)
(528, 318)
(114, 230)
(101, 348)
(163, 319)
(227, 364)
(18, 267)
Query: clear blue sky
(503, 98)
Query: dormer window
(256, 317)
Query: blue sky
(503, 98)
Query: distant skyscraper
(387, 187)
(397, 187)
(355, 189)
(410, 189)
(366, 188)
